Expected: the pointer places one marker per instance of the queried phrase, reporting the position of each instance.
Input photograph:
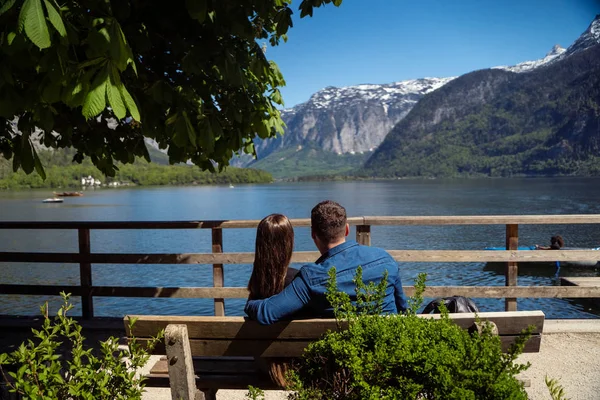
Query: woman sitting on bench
(271, 272)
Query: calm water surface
(403, 197)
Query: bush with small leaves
(373, 356)
(557, 392)
(255, 393)
(38, 369)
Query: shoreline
(314, 179)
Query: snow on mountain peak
(386, 94)
(589, 38)
(556, 50)
(526, 66)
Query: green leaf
(55, 19)
(74, 96)
(217, 131)
(95, 101)
(130, 103)
(132, 63)
(145, 152)
(276, 97)
(283, 19)
(10, 37)
(120, 51)
(197, 9)
(180, 136)
(27, 161)
(113, 94)
(104, 33)
(262, 129)
(32, 19)
(45, 119)
(306, 9)
(7, 6)
(172, 119)
(91, 62)
(16, 160)
(51, 93)
(190, 129)
(207, 136)
(249, 148)
(38, 165)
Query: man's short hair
(328, 221)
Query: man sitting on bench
(306, 292)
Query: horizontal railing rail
(433, 256)
(305, 222)
(85, 258)
(493, 292)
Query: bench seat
(213, 353)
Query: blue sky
(383, 41)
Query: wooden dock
(587, 281)
(582, 281)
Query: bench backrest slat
(286, 348)
(512, 322)
(240, 337)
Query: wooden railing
(85, 258)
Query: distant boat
(231, 186)
(53, 200)
(68, 194)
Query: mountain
(309, 160)
(336, 122)
(500, 123)
(342, 126)
(157, 155)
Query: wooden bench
(211, 353)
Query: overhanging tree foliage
(100, 75)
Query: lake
(385, 198)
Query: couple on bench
(278, 292)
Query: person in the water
(556, 243)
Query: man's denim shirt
(307, 290)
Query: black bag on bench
(454, 304)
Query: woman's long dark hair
(274, 246)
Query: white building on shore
(90, 181)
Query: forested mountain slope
(499, 123)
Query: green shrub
(403, 356)
(40, 369)
(557, 392)
(255, 393)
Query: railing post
(363, 234)
(512, 243)
(85, 274)
(218, 281)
